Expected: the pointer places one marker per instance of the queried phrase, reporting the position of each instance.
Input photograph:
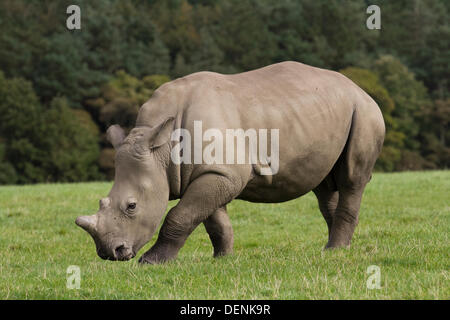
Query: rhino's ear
(161, 133)
(115, 134)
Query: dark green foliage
(408, 95)
(66, 72)
(114, 35)
(8, 174)
(19, 113)
(121, 97)
(419, 32)
(410, 98)
(109, 68)
(43, 144)
(73, 147)
(435, 133)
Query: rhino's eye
(131, 206)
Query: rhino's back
(284, 91)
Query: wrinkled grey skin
(330, 131)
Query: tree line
(60, 89)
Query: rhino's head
(133, 209)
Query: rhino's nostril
(119, 250)
(123, 253)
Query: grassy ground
(404, 228)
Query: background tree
(102, 74)
(43, 144)
(410, 97)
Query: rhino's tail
(365, 140)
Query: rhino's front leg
(220, 231)
(204, 197)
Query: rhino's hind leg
(345, 218)
(328, 201)
(220, 232)
(352, 172)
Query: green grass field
(404, 227)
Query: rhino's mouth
(120, 253)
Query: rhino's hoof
(336, 246)
(144, 260)
(222, 253)
(152, 259)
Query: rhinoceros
(329, 135)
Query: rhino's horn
(88, 223)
